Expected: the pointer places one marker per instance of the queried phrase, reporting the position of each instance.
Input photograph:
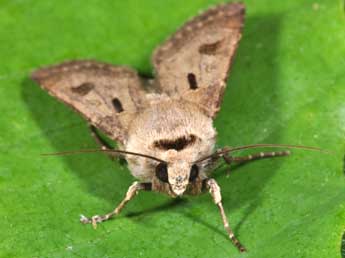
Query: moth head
(178, 173)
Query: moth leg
(131, 192)
(214, 190)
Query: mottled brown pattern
(90, 87)
(204, 47)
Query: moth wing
(106, 95)
(194, 63)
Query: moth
(163, 126)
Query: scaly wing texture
(194, 63)
(104, 94)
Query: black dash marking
(117, 105)
(176, 144)
(192, 81)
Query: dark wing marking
(106, 95)
(194, 63)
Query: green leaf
(286, 86)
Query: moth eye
(194, 172)
(192, 81)
(117, 105)
(162, 172)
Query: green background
(287, 85)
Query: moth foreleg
(131, 192)
(214, 190)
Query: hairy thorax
(171, 130)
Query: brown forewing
(194, 63)
(107, 96)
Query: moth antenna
(253, 146)
(100, 150)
